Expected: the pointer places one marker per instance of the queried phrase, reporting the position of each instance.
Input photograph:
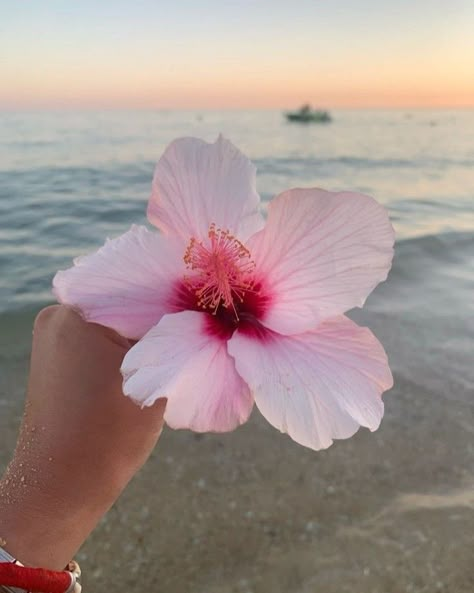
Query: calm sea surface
(68, 180)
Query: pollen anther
(222, 270)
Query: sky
(212, 54)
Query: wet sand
(252, 512)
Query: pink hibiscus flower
(229, 310)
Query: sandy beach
(252, 512)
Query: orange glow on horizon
(221, 89)
(349, 64)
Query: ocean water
(69, 180)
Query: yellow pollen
(222, 270)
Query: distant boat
(307, 115)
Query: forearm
(49, 500)
(42, 523)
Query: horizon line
(378, 107)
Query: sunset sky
(236, 54)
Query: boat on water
(308, 115)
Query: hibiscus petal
(319, 255)
(197, 183)
(128, 284)
(183, 360)
(317, 386)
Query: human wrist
(44, 522)
(15, 577)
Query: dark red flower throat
(222, 282)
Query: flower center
(222, 270)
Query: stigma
(222, 271)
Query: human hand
(80, 442)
